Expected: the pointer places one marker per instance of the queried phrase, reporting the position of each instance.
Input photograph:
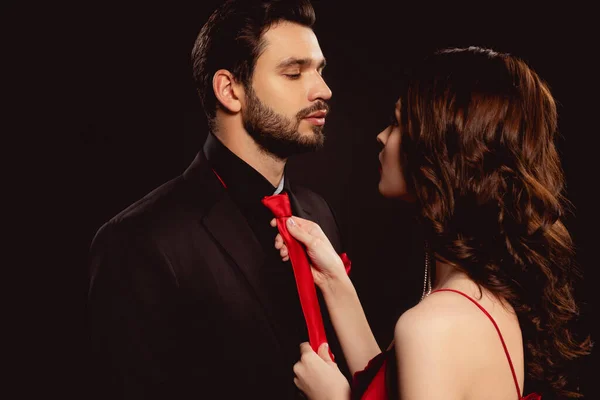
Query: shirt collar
(245, 184)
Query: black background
(107, 111)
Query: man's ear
(227, 90)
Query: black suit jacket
(176, 306)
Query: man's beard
(277, 134)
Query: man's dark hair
(232, 39)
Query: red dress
(370, 383)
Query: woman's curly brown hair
(478, 138)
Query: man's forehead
(287, 41)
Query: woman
(471, 142)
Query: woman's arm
(350, 323)
(346, 312)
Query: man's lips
(317, 118)
(317, 114)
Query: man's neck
(246, 149)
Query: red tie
(279, 204)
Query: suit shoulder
(158, 200)
(167, 209)
(142, 234)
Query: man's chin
(289, 149)
(311, 141)
(312, 134)
(303, 141)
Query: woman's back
(448, 348)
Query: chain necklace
(427, 279)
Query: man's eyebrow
(300, 62)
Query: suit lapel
(299, 209)
(229, 227)
(225, 222)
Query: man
(188, 297)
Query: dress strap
(512, 369)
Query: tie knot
(279, 204)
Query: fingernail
(291, 222)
